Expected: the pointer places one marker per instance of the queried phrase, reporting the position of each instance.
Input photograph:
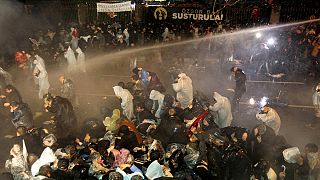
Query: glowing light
(252, 101)
(263, 101)
(271, 41)
(133, 6)
(258, 35)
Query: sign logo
(160, 13)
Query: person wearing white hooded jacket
(126, 36)
(81, 60)
(223, 107)
(71, 59)
(316, 104)
(35, 70)
(270, 118)
(184, 89)
(157, 96)
(165, 34)
(40, 60)
(126, 101)
(41, 76)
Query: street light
(252, 101)
(258, 35)
(271, 41)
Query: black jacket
(171, 130)
(241, 79)
(13, 96)
(128, 141)
(66, 121)
(146, 114)
(22, 116)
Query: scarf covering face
(154, 170)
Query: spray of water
(114, 63)
(119, 55)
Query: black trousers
(236, 99)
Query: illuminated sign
(199, 17)
(162, 13)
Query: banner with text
(171, 13)
(114, 7)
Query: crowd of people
(301, 44)
(153, 135)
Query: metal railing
(290, 14)
(67, 11)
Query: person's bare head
(45, 170)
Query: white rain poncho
(154, 171)
(39, 60)
(271, 119)
(71, 59)
(165, 34)
(223, 107)
(157, 96)
(18, 165)
(41, 76)
(316, 101)
(126, 101)
(47, 157)
(184, 90)
(126, 36)
(81, 60)
(128, 176)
